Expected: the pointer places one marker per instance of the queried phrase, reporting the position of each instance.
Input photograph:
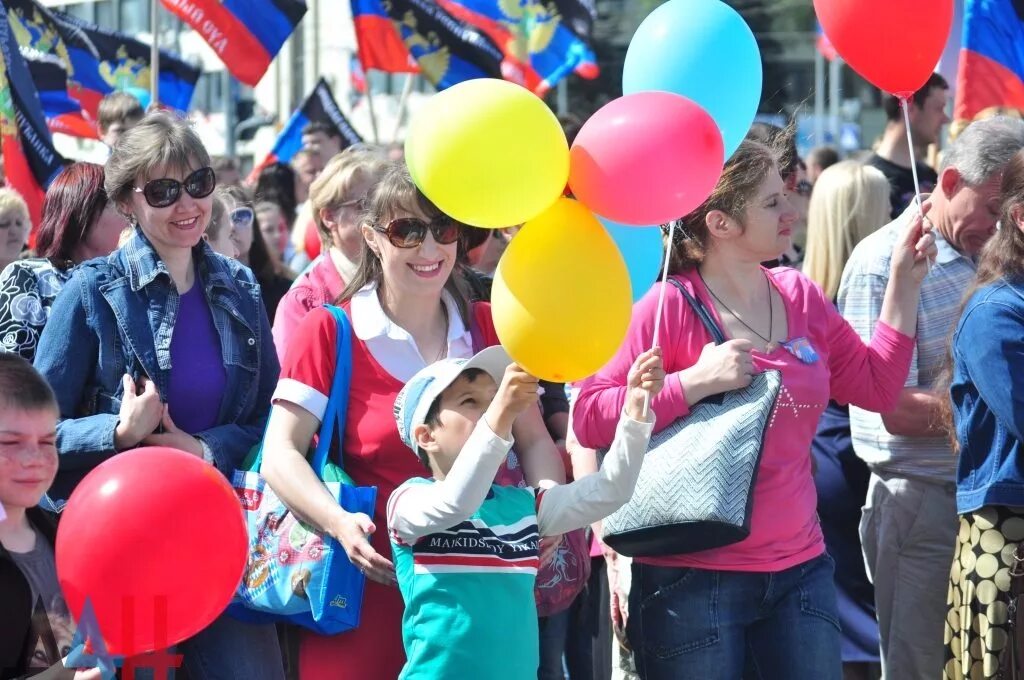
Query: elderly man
(909, 524)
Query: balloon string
(661, 301)
(918, 201)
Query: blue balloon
(641, 248)
(704, 51)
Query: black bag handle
(702, 313)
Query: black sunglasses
(409, 232)
(161, 193)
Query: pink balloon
(646, 158)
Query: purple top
(197, 379)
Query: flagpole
(369, 103)
(403, 103)
(154, 54)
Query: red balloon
(893, 44)
(156, 541)
(646, 158)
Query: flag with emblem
(105, 61)
(95, 62)
(30, 161)
(542, 41)
(446, 49)
(62, 111)
(245, 34)
(991, 71)
(319, 106)
(380, 45)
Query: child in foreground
(465, 549)
(36, 629)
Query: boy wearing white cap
(466, 552)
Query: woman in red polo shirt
(408, 306)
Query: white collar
(945, 252)
(369, 320)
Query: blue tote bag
(295, 573)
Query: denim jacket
(116, 315)
(987, 393)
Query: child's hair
(118, 107)
(22, 387)
(217, 215)
(433, 417)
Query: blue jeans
(228, 649)
(553, 631)
(721, 625)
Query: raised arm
(416, 510)
(595, 496)
(601, 398)
(871, 374)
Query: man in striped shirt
(908, 528)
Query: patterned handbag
(696, 487)
(296, 574)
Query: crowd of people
(167, 302)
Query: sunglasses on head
(242, 217)
(160, 193)
(409, 232)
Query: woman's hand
(140, 413)
(174, 438)
(645, 377)
(352, 531)
(618, 597)
(720, 368)
(915, 250)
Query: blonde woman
(850, 201)
(336, 198)
(845, 207)
(14, 225)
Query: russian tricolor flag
(991, 73)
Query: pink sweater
(784, 525)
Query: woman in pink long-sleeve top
(764, 607)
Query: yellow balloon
(488, 152)
(561, 298)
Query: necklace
(769, 344)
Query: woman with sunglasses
(79, 223)
(165, 343)
(274, 278)
(408, 307)
(335, 197)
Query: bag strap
(475, 332)
(702, 313)
(337, 401)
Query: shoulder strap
(337, 401)
(476, 330)
(702, 313)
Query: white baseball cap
(414, 401)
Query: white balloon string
(661, 300)
(918, 200)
